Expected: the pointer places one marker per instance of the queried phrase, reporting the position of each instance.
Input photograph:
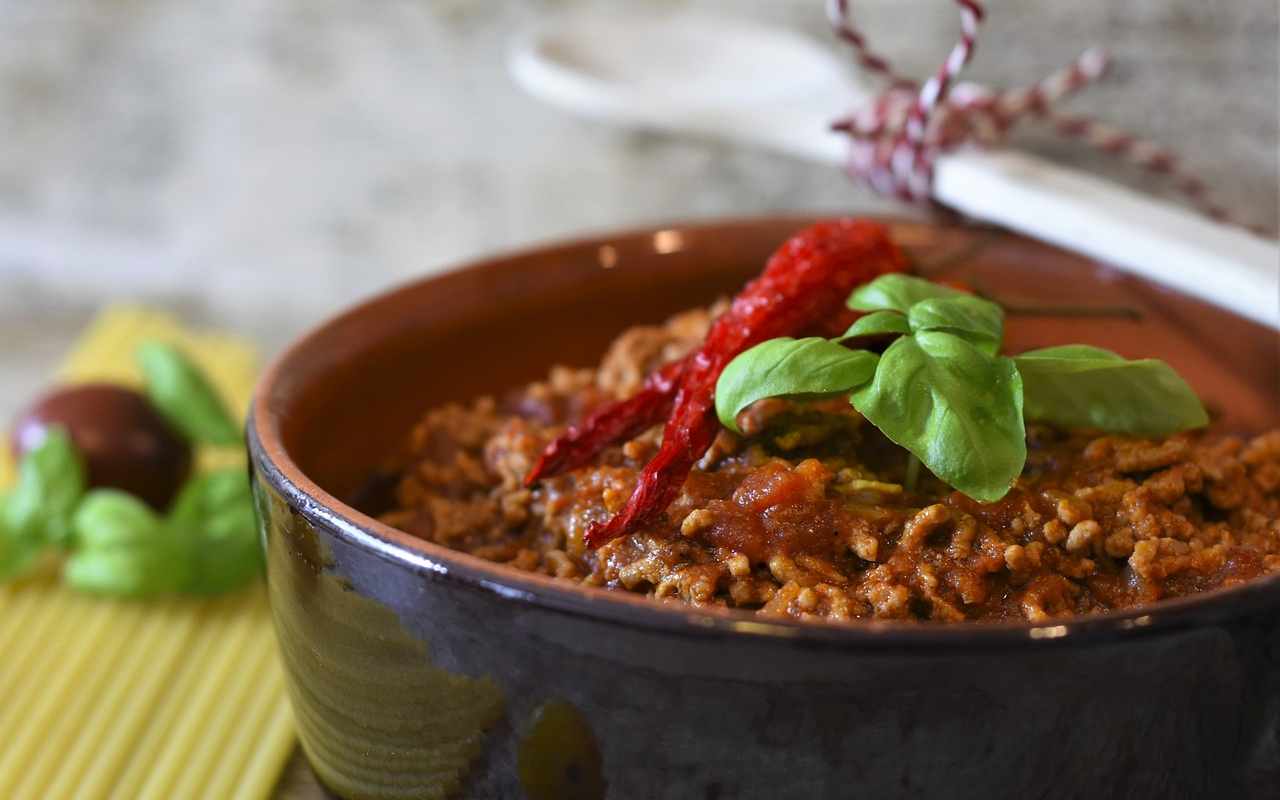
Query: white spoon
(776, 89)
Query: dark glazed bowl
(416, 671)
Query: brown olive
(125, 442)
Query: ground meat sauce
(806, 515)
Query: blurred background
(258, 164)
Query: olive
(125, 442)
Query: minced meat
(807, 514)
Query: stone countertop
(258, 164)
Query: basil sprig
(878, 323)
(181, 392)
(975, 320)
(791, 367)
(954, 406)
(942, 391)
(1078, 386)
(207, 543)
(214, 513)
(36, 515)
(898, 292)
(123, 549)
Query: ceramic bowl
(416, 671)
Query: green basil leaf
(1077, 386)
(214, 513)
(897, 292)
(184, 395)
(208, 494)
(125, 571)
(16, 552)
(878, 323)
(978, 321)
(958, 409)
(112, 518)
(781, 367)
(123, 549)
(229, 553)
(51, 481)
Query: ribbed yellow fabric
(175, 698)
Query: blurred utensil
(773, 88)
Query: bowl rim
(271, 462)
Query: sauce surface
(811, 513)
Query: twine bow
(896, 139)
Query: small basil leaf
(16, 553)
(897, 292)
(781, 367)
(878, 323)
(978, 321)
(184, 395)
(123, 549)
(228, 554)
(207, 494)
(125, 571)
(112, 518)
(958, 409)
(51, 481)
(214, 513)
(1077, 386)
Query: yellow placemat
(179, 698)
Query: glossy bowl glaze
(416, 671)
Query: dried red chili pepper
(805, 282)
(807, 279)
(615, 422)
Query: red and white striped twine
(896, 138)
